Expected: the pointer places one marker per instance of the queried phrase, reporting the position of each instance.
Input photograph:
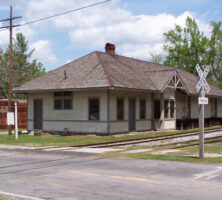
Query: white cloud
(4, 35)
(68, 61)
(134, 35)
(28, 31)
(43, 52)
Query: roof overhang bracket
(175, 82)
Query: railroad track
(207, 141)
(147, 140)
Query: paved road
(55, 175)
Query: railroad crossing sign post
(201, 87)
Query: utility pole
(10, 77)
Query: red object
(22, 113)
(110, 49)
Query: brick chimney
(110, 49)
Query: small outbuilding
(104, 93)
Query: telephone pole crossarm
(8, 19)
(13, 26)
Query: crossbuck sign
(202, 81)
(201, 85)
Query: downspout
(162, 111)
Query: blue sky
(135, 26)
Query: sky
(136, 27)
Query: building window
(166, 109)
(94, 109)
(156, 109)
(63, 100)
(142, 109)
(120, 109)
(172, 105)
(169, 108)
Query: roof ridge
(137, 59)
(104, 69)
(161, 70)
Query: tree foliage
(24, 69)
(214, 53)
(187, 46)
(158, 58)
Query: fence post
(16, 121)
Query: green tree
(3, 73)
(158, 58)
(214, 54)
(185, 47)
(24, 69)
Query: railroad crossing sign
(202, 100)
(202, 81)
(201, 85)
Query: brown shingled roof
(101, 70)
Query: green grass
(77, 140)
(39, 141)
(5, 198)
(147, 156)
(208, 148)
(6, 130)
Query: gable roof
(101, 70)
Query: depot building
(105, 93)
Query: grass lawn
(209, 148)
(5, 198)
(62, 141)
(163, 157)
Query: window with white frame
(63, 100)
(94, 109)
(169, 108)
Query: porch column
(175, 109)
(162, 111)
(189, 108)
(215, 101)
(152, 111)
(108, 112)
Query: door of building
(38, 114)
(132, 113)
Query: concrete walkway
(3, 133)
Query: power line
(56, 15)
